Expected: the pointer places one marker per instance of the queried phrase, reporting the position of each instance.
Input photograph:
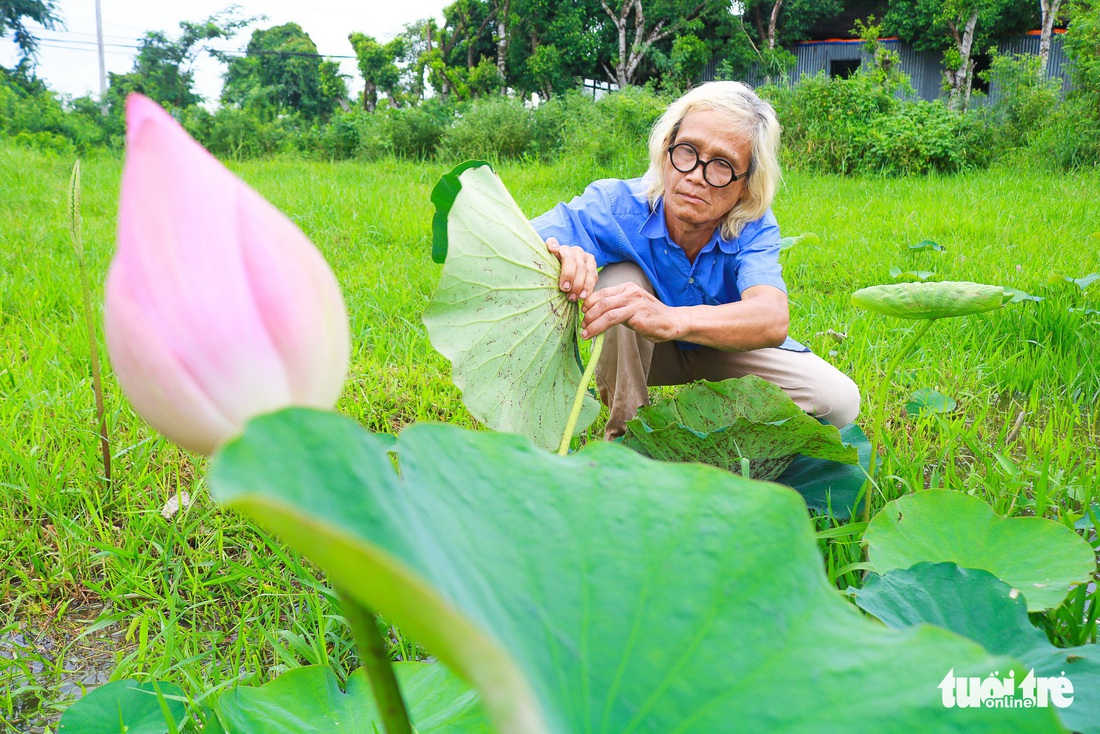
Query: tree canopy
(15, 13)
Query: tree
(955, 27)
(378, 65)
(639, 28)
(775, 23)
(554, 43)
(162, 67)
(1049, 10)
(281, 71)
(13, 13)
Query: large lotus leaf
(1038, 557)
(497, 313)
(978, 605)
(309, 700)
(930, 300)
(598, 592)
(721, 423)
(832, 487)
(127, 707)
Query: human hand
(631, 305)
(578, 269)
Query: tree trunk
(632, 54)
(370, 96)
(772, 23)
(959, 79)
(502, 40)
(1050, 14)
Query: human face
(692, 206)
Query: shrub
(1024, 99)
(925, 137)
(494, 129)
(828, 122)
(412, 132)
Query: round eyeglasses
(718, 172)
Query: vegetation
(101, 584)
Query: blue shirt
(613, 221)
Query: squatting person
(690, 286)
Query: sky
(68, 59)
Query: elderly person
(690, 286)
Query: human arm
(583, 235)
(759, 319)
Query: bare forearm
(740, 326)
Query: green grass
(98, 583)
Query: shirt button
(691, 280)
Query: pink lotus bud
(218, 307)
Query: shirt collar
(654, 227)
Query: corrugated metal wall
(925, 70)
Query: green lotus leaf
(126, 705)
(930, 300)
(806, 238)
(721, 423)
(600, 591)
(978, 605)
(498, 314)
(1082, 283)
(832, 487)
(1019, 296)
(911, 275)
(928, 245)
(309, 700)
(1038, 557)
(927, 400)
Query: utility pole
(102, 62)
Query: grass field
(96, 583)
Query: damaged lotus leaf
(930, 300)
(722, 423)
(1039, 557)
(598, 592)
(498, 314)
(978, 605)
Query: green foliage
(312, 696)
(1025, 99)
(1040, 558)
(689, 56)
(162, 67)
(939, 300)
(129, 706)
(536, 578)
(210, 580)
(508, 330)
(828, 122)
(860, 125)
(492, 129)
(378, 65)
(416, 132)
(739, 424)
(925, 137)
(32, 116)
(978, 605)
(281, 72)
(1071, 137)
(13, 17)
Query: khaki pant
(630, 364)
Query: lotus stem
(586, 378)
(377, 666)
(76, 233)
(880, 403)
